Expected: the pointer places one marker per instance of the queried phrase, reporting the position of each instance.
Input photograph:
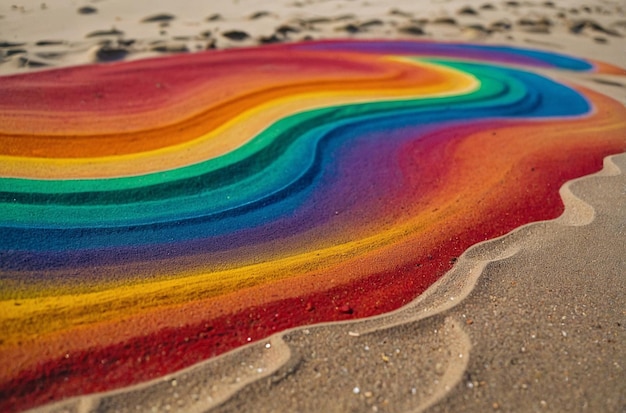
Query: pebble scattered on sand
(110, 54)
(87, 10)
(103, 33)
(236, 35)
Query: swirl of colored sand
(179, 208)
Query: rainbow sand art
(158, 213)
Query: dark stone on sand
(445, 20)
(412, 30)
(487, 6)
(161, 17)
(214, 17)
(102, 33)
(270, 39)
(111, 54)
(206, 34)
(512, 3)
(11, 44)
(548, 4)
(351, 28)
(601, 40)
(260, 14)
(87, 10)
(236, 35)
(49, 43)
(467, 11)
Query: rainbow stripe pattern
(157, 213)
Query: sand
(532, 321)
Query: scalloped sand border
(273, 354)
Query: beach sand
(532, 321)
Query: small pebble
(236, 35)
(87, 10)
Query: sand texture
(511, 328)
(337, 206)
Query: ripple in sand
(445, 20)
(345, 17)
(103, 33)
(50, 55)
(159, 18)
(581, 26)
(285, 29)
(11, 44)
(608, 82)
(467, 11)
(501, 25)
(316, 20)
(49, 43)
(260, 14)
(27, 62)
(12, 52)
(401, 13)
(270, 39)
(170, 48)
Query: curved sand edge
(438, 335)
